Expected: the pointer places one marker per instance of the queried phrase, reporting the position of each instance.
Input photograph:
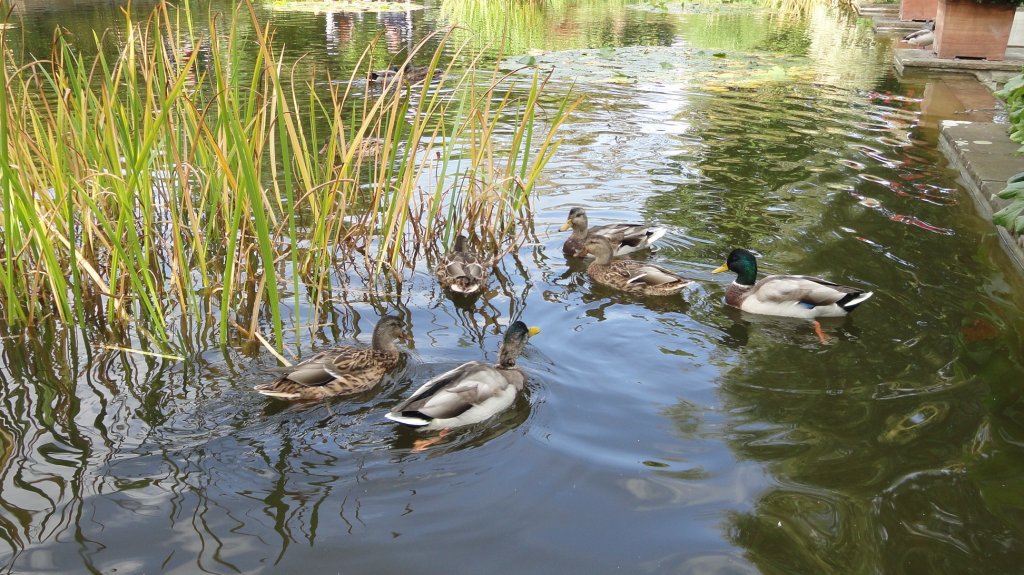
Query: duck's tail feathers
(851, 301)
(655, 234)
(413, 420)
(465, 286)
(271, 392)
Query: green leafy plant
(1012, 216)
(1013, 94)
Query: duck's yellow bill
(534, 330)
(720, 269)
(565, 226)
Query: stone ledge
(926, 59)
(992, 73)
(985, 157)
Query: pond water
(662, 435)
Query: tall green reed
(180, 175)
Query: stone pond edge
(983, 177)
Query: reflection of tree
(767, 128)
(893, 450)
(519, 26)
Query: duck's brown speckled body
(340, 371)
(629, 275)
(625, 238)
(461, 270)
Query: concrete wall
(1017, 32)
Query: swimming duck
(627, 238)
(469, 393)
(411, 74)
(784, 295)
(368, 149)
(923, 38)
(343, 370)
(461, 270)
(629, 275)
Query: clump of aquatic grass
(190, 176)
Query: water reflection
(844, 450)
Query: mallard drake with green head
(343, 370)
(461, 270)
(469, 393)
(626, 238)
(922, 38)
(786, 295)
(629, 275)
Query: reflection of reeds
(183, 178)
(803, 8)
(520, 25)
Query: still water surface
(667, 435)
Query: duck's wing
(331, 372)
(804, 290)
(463, 264)
(455, 267)
(630, 236)
(450, 394)
(654, 275)
(323, 367)
(474, 267)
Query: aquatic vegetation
(1013, 94)
(183, 176)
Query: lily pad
(668, 65)
(323, 6)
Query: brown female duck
(626, 238)
(461, 270)
(343, 370)
(408, 73)
(629, 275)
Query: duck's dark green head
(744, 263)
(515, 339)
